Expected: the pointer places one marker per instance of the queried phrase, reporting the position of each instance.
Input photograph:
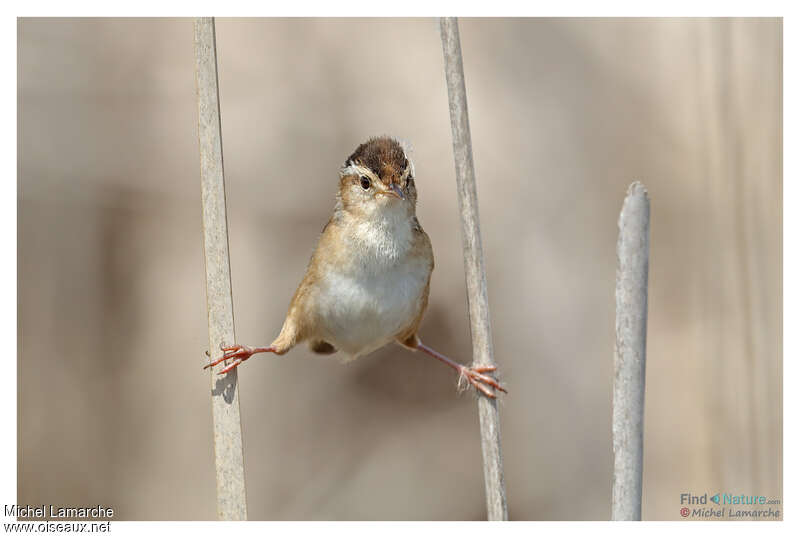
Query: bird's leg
(239, 354)
(475, 375)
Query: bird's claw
(237, 352)
(476, 376)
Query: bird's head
(378, 178)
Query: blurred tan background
(113, 405)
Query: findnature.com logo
(727, 505)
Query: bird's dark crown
(382, 155)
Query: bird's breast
(364, 307)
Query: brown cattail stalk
(482, 355)
(633, 249)
(231, 500)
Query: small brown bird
(368, 280)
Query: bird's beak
(395, 191)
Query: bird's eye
(365, 183)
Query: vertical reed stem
(231, 500)
(482, 354)
(633, 247)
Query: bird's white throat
(385, 238)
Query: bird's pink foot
(239, 354)
(476, 376)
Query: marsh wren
(368, 280)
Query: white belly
(362, 311)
